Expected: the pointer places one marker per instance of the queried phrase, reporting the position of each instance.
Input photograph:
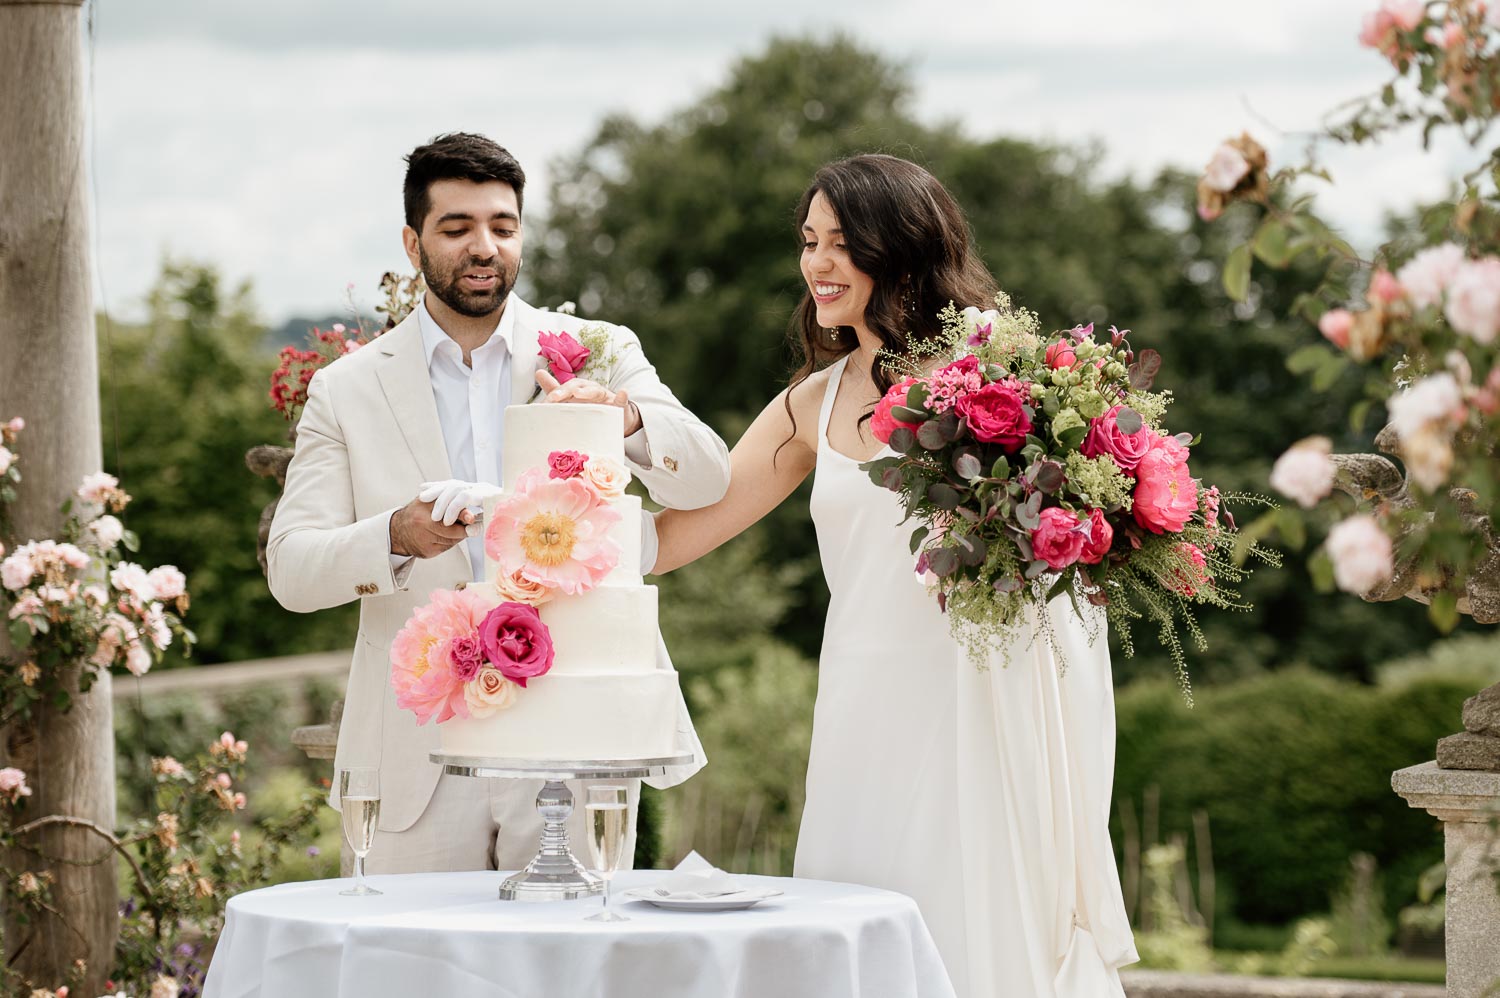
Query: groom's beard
(474, 304)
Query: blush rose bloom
(1473, 306)
(1106, 437)
(517, 642)
(1226, 169)
(1427, 275)
(168, 582)
(882, 423)
(489, 692)
(517, 588)
(1336, 325)
(606, 475)
(995, 414)
(1101, 537)
(564, 355)
(107, 531)
(1305, 472)
(1057, 540)
(96, 488)
(1165, 496)
(565, 463)
(1362, 554)
(13, 783)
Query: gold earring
(833, 334)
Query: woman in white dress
(983, 793)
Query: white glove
(452, 497)
(648, 543)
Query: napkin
(696, 879)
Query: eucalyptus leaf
(943, 562)
(916, 395)
(1128, 420)
(1001, 469)
(1049, 476)
(906, 414)
(1009, 584)
(972, 549)
(1072, 437)
(902, 440)
(967, 465)
(1035, 570)
(951, 426)
(944, 497)
(877, 469)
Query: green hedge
(1294, 771)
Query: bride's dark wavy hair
(904, 230)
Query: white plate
(726, 902)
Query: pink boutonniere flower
(564, 355)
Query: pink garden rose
(1226, 169)
(98, 487)
(168, 582)
(1165, 496)
(1361, 553)
(564, 355)
(554, 532)
(608, 476)
(489, 692)
(1061, 355)
(1384, 287)
(1106, 437)
(107, 531)
(517, 642)
(1473, 306)
(1058, 539)
(882, 423)
(996, 414)
(13, 784)
(1427, 275)
(1336, 325)
(1100, 538)
(465, 656)
(565, 463)
(517, 588)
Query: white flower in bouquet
(1362, 554)
(1427, 275)
(1305, 472)
(1474, 300)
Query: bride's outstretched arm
(762, 472)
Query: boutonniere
(589, 355)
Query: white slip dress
(981, 792)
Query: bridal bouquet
(1040, 465)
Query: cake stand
(555, 874)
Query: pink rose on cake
(489, 692)
(606, 475)
(514, 587)
(565, 464)
(516, 642)
(554, 532)
(564, 355)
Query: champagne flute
(359, 802)
(609, 820)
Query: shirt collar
(434, 337)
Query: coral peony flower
(565, 463)
(421, 672)
(1100, 538)
(1060, 538)
(1362, 554)
(517, 642)
(1473, 306)
(1305, 472)
(564, 355)
(996, 414)
(1106, 437)
(1335, 325)
(554, 532)
(1165, 494)
(489, 692)
(1427, 275)
(882, 423)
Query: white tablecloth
(447, 935)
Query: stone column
(1467, 802)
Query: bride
(983, 793)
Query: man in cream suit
(417, 414)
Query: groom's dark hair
(456, 156)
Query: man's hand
(580, 390)
(415, 533)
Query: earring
(833, 334)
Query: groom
(398, 442)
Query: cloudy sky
(267, 138)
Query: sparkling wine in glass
(609, 821)
(359, 802)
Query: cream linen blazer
(368, 437)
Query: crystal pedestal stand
(555, 874)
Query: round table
(446, 934)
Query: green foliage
(184, 396)
(1167, 940)
(1293, 769)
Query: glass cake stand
(555, 874)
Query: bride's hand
(590, 392)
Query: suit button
(670, 463)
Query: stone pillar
(1468, 804)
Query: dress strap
(835, 375)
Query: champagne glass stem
(607, 880)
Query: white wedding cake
(604, 697)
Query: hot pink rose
(565, 356)
(517, 642)
(1336, 325)
(1106, 437)
(1057, 540)
(882, 423)
(566, 463)
(996, 414)
(465, 657)
(1100, 538)
(1060, 354)
(1165, 494)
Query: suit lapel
(523, 351)
(408, 390)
